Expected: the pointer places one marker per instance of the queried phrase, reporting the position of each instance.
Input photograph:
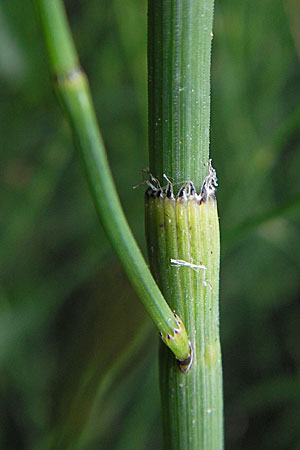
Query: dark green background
(78, 366)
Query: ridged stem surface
(183, 244)
(179, 55)
(183, 229)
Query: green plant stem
(187, 270)
(73, 90)
(183, 230)
(179, 55)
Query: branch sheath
(184, 250)
(74, 93)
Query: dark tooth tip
(185, 366)
(148, 193)
(203, 194)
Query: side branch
(73, 90)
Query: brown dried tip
(185, 366)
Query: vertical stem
(183, 233)
(179, 55)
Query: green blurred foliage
(78, 355)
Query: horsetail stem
(183, 233)
(186, 229)
(74, 94)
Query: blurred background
(78, 356)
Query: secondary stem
(74, 93)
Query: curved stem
(74, 93)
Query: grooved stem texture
(179, 56)
(183, 231)
(183, 246)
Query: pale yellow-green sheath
(184, 253)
